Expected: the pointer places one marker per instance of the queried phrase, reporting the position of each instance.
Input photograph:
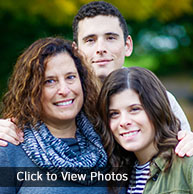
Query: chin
(66, 117)
(102, 77)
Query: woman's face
(62, 94)
(130, 124)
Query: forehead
(59, 62)
(99, 25)
(124, 98)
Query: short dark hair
(96, 8)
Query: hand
(185, 146)
(9, 132)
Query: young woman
(141, 131)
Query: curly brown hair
(22, 100)
(153, 97)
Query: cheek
(46, 95)
(144, 120)
(113, 124)
(118, 49)
(86, 52)
(80, 94)
(120, 57)
(81, 98)
(141, 117)
(43, 96)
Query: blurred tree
(162, 30)
(62, 11)
(163, 10)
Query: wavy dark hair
(22, 99)
(153, 97)
(96, 8)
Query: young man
(100, 34)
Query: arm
(185, 145)
(185, 137)
(179, 113)
(9, 132)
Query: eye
(135, 109)
(111, 38)
(49, 81)
(90, 40)
(113, 114)
(71, 77)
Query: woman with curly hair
(51, 95)
(140, 133)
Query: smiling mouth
(129, 134)
(65, 103)
(103, 62)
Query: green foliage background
(162, 31)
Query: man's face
(101, 42)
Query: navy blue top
(73, 144)
(14, 156)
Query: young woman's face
(62, 95)
(130, 124)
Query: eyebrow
(68, 73)
(111, 33)
(110, 109)
(88, 36)
(106, 34)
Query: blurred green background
(162, 31)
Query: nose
(63, 89)
(125, 122)
(101, 48)
(101, 52)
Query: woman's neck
(146, 155)
(63, 130)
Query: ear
(78, 52)
(74, 46)
(128, 46)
